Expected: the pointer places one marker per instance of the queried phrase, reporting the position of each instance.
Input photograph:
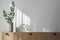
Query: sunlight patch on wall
(22, 20)
(19, 18)
(26, 19)
(45, 30)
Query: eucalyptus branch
(9, 17)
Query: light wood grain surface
(29, 35)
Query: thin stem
(11, 26)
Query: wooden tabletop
(29, 35)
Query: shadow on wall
(23, 23)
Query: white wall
(44, 13)
(4, 26)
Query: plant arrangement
(10, 16)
